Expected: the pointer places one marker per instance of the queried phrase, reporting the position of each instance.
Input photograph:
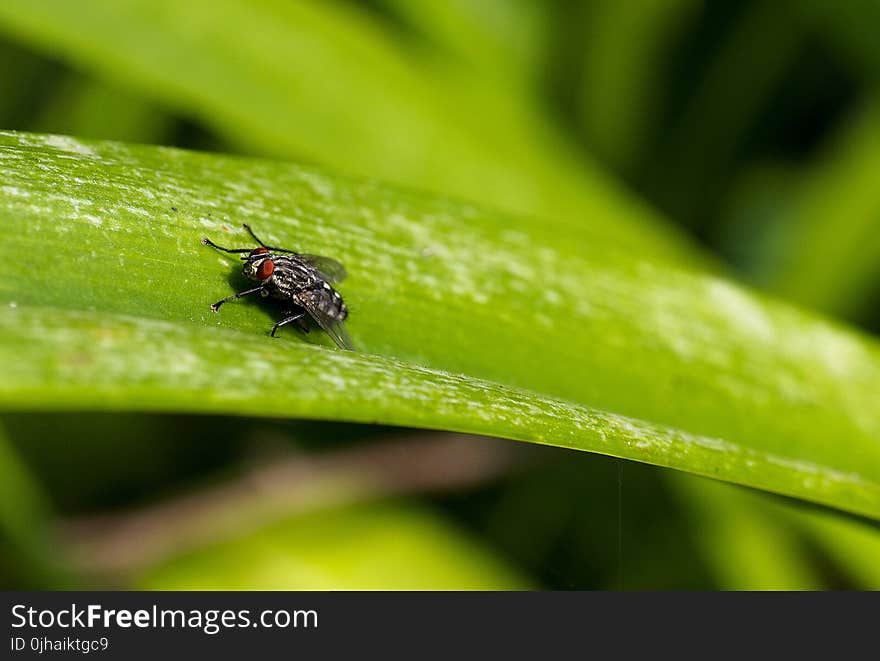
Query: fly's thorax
(279, 272)
(290, 276)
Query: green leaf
(758, 542)
(24, 520)
(505, 40)
(747, 546)
(23, 506)
(329, 83)
(827, 250)
(462, 322)
(848, 25)
(853, 545)
(626, 51)
(367, 547)
(92, 109)
(747, 66)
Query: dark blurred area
(753, 127)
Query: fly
(303, 284)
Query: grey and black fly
(301, 282)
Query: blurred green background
(752, 126)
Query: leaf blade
(186, 369)
(744, 379)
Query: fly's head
(258, 265)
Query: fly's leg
(270, 248)
(216, 306)
(208, 242)
(296, 317)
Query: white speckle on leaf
(740, 309)
(544, 320)
(552, 296)
(68, 144)
(138, 211)
(14, 191)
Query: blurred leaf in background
(827, 255)
(376, 547)
(751, 125)
(25, 537)
(322, 81)
(626, 51)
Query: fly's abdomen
(326, 300)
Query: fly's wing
(335, 329)
(315, 305)
(329, 269)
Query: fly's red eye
(267, 266)
(259, 251)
